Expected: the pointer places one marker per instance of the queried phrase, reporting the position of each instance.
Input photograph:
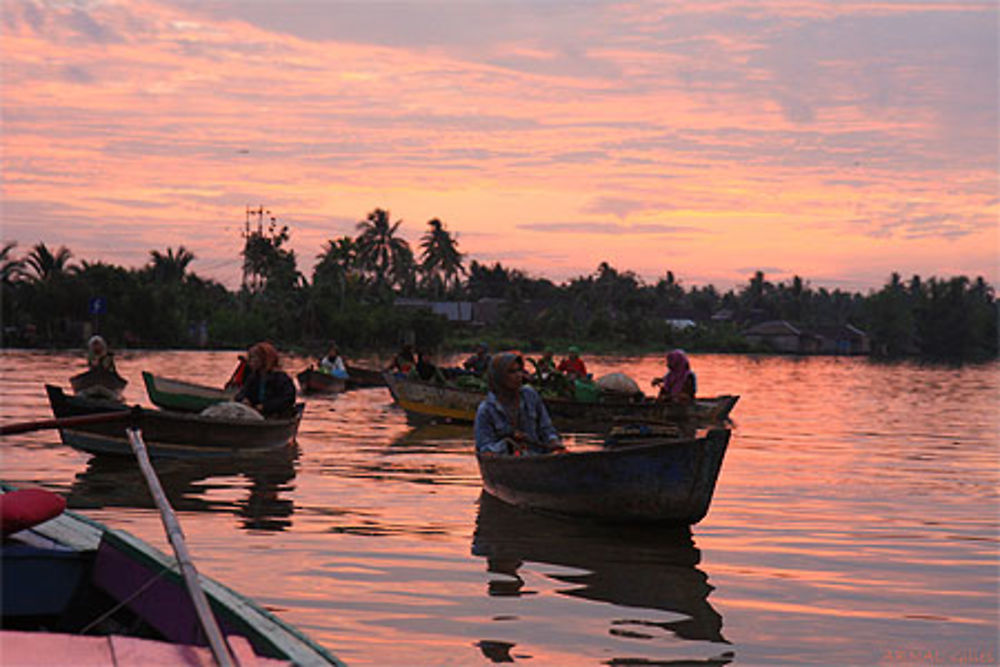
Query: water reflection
(632, 567)
(436, 437)
(249, 486)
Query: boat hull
(362, 378)
(83, 558)
(312, 381)
(664, 480)
(442, 402)
(171, 394)
(169, 433)
(98, 382)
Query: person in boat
(267, 388)
(479, 362)
(333, 363)
(679, 384)
(99, 356)
(572, 366)
(404, 361)
(426, 370)
(513, 419)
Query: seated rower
(333, 363)
(679, 384)
(479, 362)
(573, 365)
(404, 360)
(426, 370)
(99, 356)
(513, 419)
(267, 388)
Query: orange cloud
(701, 139)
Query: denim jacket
(493, 425)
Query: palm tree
(48, 301)
(47, 266)
(170, 267)
(440, 257)
(380, 251)
(336, 264)
(10, 269)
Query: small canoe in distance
(182, 396)
(312, 381)
(666, 480)
(98, 382)
(169, 433)
(63, 575)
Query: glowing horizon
(836, 141)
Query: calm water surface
(855, 522)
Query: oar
(64, 422)
(216, 641)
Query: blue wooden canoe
(660, 479)
(71, 576)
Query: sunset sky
(839, 141)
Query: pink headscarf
(679, 371)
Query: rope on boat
(216, 640)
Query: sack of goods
(618, 383)
(232, 410)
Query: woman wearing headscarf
(98, 354)
(679, 384)
(513, 418)
(267, 388)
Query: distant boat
(99, 383)
(660, 479)
(312, 381)
(427, 400)
(183, 396)
(76, 591)
(360, 378)
(169, 433)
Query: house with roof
(783, 336)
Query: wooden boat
(361, 378)
(662, 479)
(98, 382)
(445, 402)
(312, 381)
(72, 587)
(182, 396)
(169, 433)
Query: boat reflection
(630, 566)
(250, 487)
(439, 437)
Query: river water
(855, 522)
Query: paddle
(64, 422)
(216, 641)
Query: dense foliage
(48, 300)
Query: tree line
(49, 300)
